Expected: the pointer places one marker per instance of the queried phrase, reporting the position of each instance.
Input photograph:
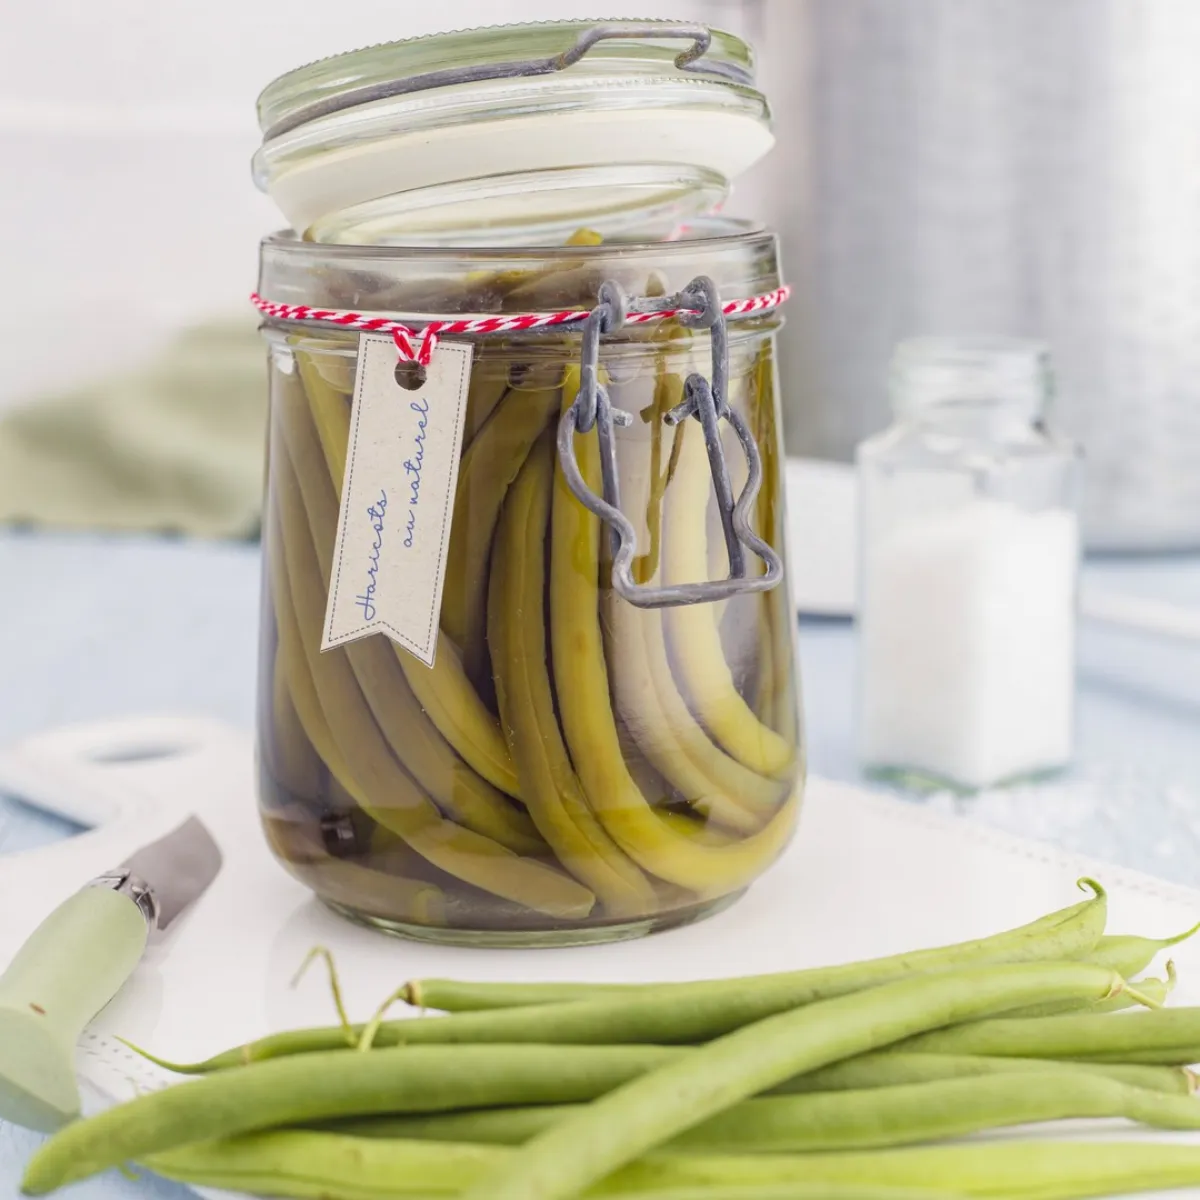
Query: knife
(76, 961)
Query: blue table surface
(95, 626)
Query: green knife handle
(69, 969)
(76, 960)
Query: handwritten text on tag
(389, 560)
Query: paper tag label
(389, 561)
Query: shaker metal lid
(512, 132)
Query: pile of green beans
(824, 1082)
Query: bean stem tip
(335, 986)
(166, 1064)
(1182, 937)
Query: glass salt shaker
(969, 547)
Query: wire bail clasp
(705, 400)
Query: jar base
(538, 939)
(927, 783)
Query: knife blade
(77, 960)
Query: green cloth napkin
(175, 445)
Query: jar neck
(971, 387)
(975, 420)
(741, 260)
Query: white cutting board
(866, 875)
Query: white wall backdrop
(126, 130)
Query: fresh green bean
(878, 1070)
(1169, 1036)
(888, 1116)
(1151, 992)
(309, 1166)
(316, 1166)
(889, 1068)
(1073, 927)
(322, 1086)
(1186, 1055)
(642, 1114)
(461, 997)
(1030, 1170)
(684, 1012)
(794, 1191)
(1127, 954)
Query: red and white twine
(418, 344)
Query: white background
(126, 130)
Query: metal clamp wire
(705, 400)
(691, 60)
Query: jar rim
(449, 282)
(733, 231)
(928, 373)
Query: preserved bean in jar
(583, 761)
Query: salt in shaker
(969, 549)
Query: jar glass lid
(513, 134)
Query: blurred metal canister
(1005, 167)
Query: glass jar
(969, 551)
(584, 761)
